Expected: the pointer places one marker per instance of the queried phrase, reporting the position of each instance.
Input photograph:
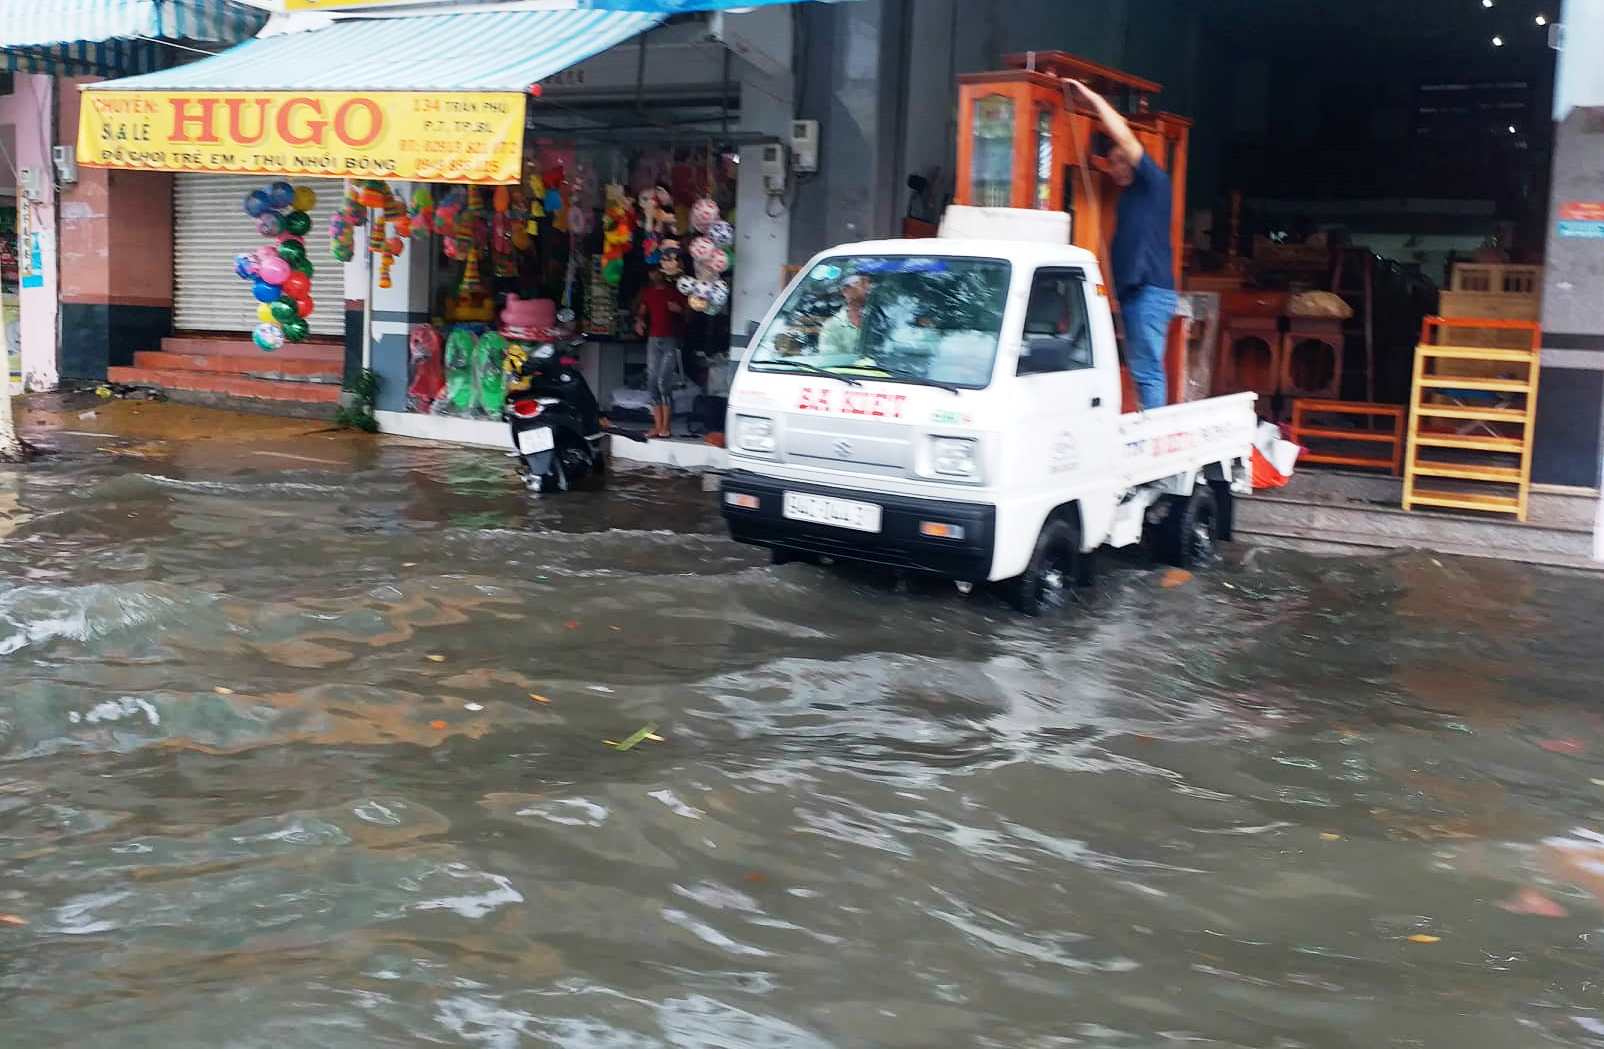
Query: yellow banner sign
(407, 135)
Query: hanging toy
(471, 281)
(669, 258)
(422, 212)
(618, 233)
(707, 292)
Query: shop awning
(118, 37)
(435, 98)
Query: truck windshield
(892, 318)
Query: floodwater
(272, 774)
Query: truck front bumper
(901, 543)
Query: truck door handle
(1097, 402)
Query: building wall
(27, 111)
(116, 237)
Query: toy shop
(568, 255)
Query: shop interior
(1356, 170)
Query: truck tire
(1188, 536)
(1054, 569)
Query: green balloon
(296, 329)
(303, 266)
(284, 311)
(292, 251)
(298, 223)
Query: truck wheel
(1053, 571)
(1189, 535)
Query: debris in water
(88, 415)
(12, 919)
(1532, 901)
(642, 733)
(1175, 577)
(435, 658)
(538, 698)
(409, 564)
(572, 624)
(222, 691)
(473, 706)
(437, 725)
(1562, 746)
(1421, 937)
(103, 392)
(603, 689)
(1328, 836)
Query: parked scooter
(555, 420)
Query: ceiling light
(1512, 130)
(1542, 20)
(1487, 3)
(1498, 41)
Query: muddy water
(271, 775)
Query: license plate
(839, 513)
(532, 442)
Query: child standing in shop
(660, 318)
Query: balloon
(296, 330)
(304, 306)
(292, 251)
(281, 194)
(264, 291)
(303, 266)
(264, 312)
(256, 202)
(297, 284)
(268, 337)
(283, 310)
(298, 223)
(245, 266)
(304, 199)
(273, 271)
(270, 224)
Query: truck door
(1071, 404)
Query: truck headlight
(753, 433)
(954, 456)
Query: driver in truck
(1141, 258)
(843, 333)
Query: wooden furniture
(1311, 358)
(1325, 440)
(1497, 292)
(1023, 144)
(1472, 416)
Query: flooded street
(304, 744)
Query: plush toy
(427, 361)
(669, 259)
(490, 382)
(459, 389)
(703, 214)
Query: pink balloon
(265, 252)
(274, 270)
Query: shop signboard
(468, 137)
(30, 249)
(1582, 219)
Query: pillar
(1570, 404)
(27, 114)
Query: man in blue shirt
(1143, 264)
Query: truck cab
(947, 406)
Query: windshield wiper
(785, 362)
(919, 380)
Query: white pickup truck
(953, 406)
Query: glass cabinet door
(991, 164)
(1042, 198)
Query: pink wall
(116, 228)
(28, 110)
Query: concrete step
(261, 366)
(242, 346)
(232, 385)
(1316, 542)
(1556, 507)
(1393, 528)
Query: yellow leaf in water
(654, 737)
(1175, 577)
(1421, 937)
(1328, 836)
(435, 658)
(538, 698)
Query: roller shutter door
(210, 227)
